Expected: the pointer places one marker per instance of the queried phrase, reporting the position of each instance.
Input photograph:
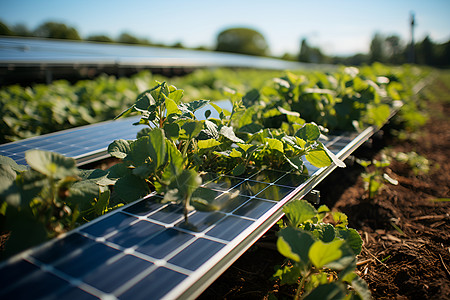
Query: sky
(339, 27)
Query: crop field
(277, 121)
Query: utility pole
(411, 48)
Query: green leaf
(192, 129)
(288, 274)
(82, 193)
(361, 288)
(235, 153)
(245, 147)
(102, 203)
(239, 170)
(131, 187)
(5, 160)
(318, 158)
(119, 149)
(157, 147)
(176, 96)
(171, 106)
(51, 164)
(310, 132)
(172, 130)
(329, 291)
(229, 134)
(322, 253)
(298, 212)
(275, 144)
(205, 144)
(352, 238)
(295, 244)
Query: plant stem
(300, 286)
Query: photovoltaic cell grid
(146, 250)
(77, 143)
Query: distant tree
(178, 45)
(377, 49)
(99, 38)
(425, 52)
(4, 29)
(21, 30)
(127, 38)
(394, 50)
(311, 54)
(242, 40)
(57, 31)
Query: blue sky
(337, 27)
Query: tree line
(385, 49)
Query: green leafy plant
(374, 176)
(46, 199)
(321, 257)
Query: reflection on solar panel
(146, 250)
(85, 144)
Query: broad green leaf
(298, 212)
(192, 129)
(131, 187)
(275, 144)
(309, 132)
(9, 191)
(333, 157)
(296, 162)
(244, 147)
(330, 291)
(361, 288)
(119, 149)
(171, 106)
(51, 164)
(118, 170)
(98, 176)
(300, 142)
(318, 158)
(229, 134)
(235, 153)
(102, 203)
(295, 244)
(82, 193)
(324, 232)
(340, 219)
(352, 238)
(239, 170)
(205, 144)
(322, 253)
(157, 147)
(139, 151)
(172, 131)
(378, 115)
(288, 274)
(176, 95)
(5, 160)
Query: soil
(405, 228)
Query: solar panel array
(82, 143)
(146, 250)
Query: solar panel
(84, 143)
(145, 249)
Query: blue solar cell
(229, 228)
(223, 183)
(254, 208)
(35, 286)
(109, 224)
(112, 275)
(199, 221)
(144, 207)
(168, 215)
(61, 248)
(231, 201)
(292, 180)
(133, 235)
(196, 254)
(274, 192)
(72, 293)
(164, 243)
(84, 260)
(251, 187)
(145, 289)
(14, 272)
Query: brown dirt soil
(405, 230)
